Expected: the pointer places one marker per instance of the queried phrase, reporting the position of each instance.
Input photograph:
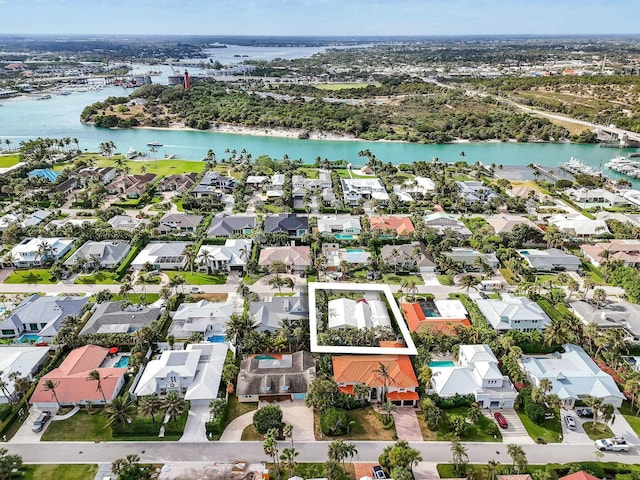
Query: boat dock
(546, 173)
(576, 166)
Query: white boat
(578, 166)
(131, 154)
(154, 144)
(170, 156)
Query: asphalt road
(160, 452)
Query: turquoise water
(24, 118)
(429, 312)
(443, 363)
(355, 250)
(122, 362)
(215, 339)
(28, 338)
(265, 357)
(340, 236)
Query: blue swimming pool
(122, 362)
(442, 363)
(342, 236)
(216, 339)
(355, 250)
(265, 357)
(28, 338)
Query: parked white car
(612, 445)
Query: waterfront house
(626, 251)
(131, 186)
(179, 223)
(595, 197)
(408, 256)
(105, 254)
(268, 315)
(34, 252)
(178, 182)
(513, 313)
(213, 183)
(275, 377)
(550, 260)
(578, 226)
(355, 189)
(475, 192)
(232, 225)
(230, 257)
(162, 255)
(83, 175)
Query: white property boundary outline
(410, 348)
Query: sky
(320, 17)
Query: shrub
(5, 411)
(535, 412)
(453, 402)
(492, 429)
(334, 421)
(266, 418)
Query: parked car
(40, 422)
(302, 275)
(369, 275)
(570, 421)
(501, 420)
(378, 472)
(195, 290)
(376, 275)
(584, 412)
(483, 295)
(612, 445)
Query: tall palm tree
(173, 405)
(120, 410)
(383, 372)
(149, 406)
(288, 459)
(51, 386)
(270, 447)
(94, 376)
(204, 259)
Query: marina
(624, 165)
(576, 166)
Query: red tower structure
(187, 82)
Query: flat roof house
(355, 189)
(275, 376)
(162, 255)
(573, 375)
(513, 313)
(106, 254)
(70, 378)
(549, 260)
(475, 373)
(230, 257)
(362, 313)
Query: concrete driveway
(407, 426)
(515, 431)
(621, 428)
(296, 413)
(25, 434)
(194, 430)
(577, 436)
(233, 432)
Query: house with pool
(513, 313)
(475, 373)
(442, 317)
(335, 255)
(344, 227)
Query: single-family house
(475, 192)
(336, 255)
(550, 260)
(418, 187)
(116, 319)
(400, 226)
(162, 255)
(504, 223)
(33, 252)
(362, 313)
(72, 386)
(296, 259)
(401, 383)
(355, 189)
(409, 256)
(213, 183)
(618, 315)
(230, 257)
(595, 197)
(105, 254)
(208, 318)
(268, 315)
(178, 182)
(573, 375)
(442, 222)
(25, 220)
(294, 225)
(69, 223)
(178, 223)
(442, 317)
(255, 182)
(126, 222)
(468, 257)
(195, 373)
(131, 186)
(21, 360)
(41, 316)
(627, 251)
(232, 225)
(82, 175)
(275, 377)
(513, 313)
(475, 373)
(343, 227)
(578, 226)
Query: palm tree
(287, 432)
(388, 408)
(173, 405)
(458, 455)
(277, 267)
(204, 259)
(469, 281)
(120, 410)
(288, 459)
(217, 406)
(94, 376)
(50, 386)
(595, 404)
(384, 373)
(270, 447)
(189, 256)
(149, 406)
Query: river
(23, 118)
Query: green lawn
(594, 273)
(252, 278)
(8, 160)
(34, 275)
(198, 278)
(475, 433)
(366, 426)
(391, 278)
(98, 278)
(81, 427)
(137, 297)
(308, 172)
(600, 431)
(159, 167)
(57, 472)
(445, 280)
(550, 431)
(629, 414)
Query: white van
(488, 285)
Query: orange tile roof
(71, 378)
(394, 396)
(348, 389)
(402, 225)
(417, 321)
(362, 369)
(414, 315)
(579, 476)
(391, 344)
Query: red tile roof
(394, 396)
(579, 476)
(71, 378)
(363, 369)
(402, 225)
(418, 321)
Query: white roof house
(550, 259)
(468, 256)
(476, 373)
(445, 221)
(23, 360)
(107, 253)
(24, 220)
(340, 225)
(363, 313)
(208, 318)
(356, 188)
(194, 372)
(26, 254)
(513, 313)
(233, 255)
(578, 225)
(162, 255)
(574, 375)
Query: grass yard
(599, 431)
(475, 433)
(398, 279)
(35, 275)
(446, 280)
(198, 278)
(629, 414)
(308, 172)
(81, 427)
(550, 431)
(508, 276)
(159, 167)
(8, 160)
(98, 278)
(427, 435)
(250, 434)
(594, 273)
(367, 426)
(56, 472)
(138, 297)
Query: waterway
(23, 118)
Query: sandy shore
(260, 131)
